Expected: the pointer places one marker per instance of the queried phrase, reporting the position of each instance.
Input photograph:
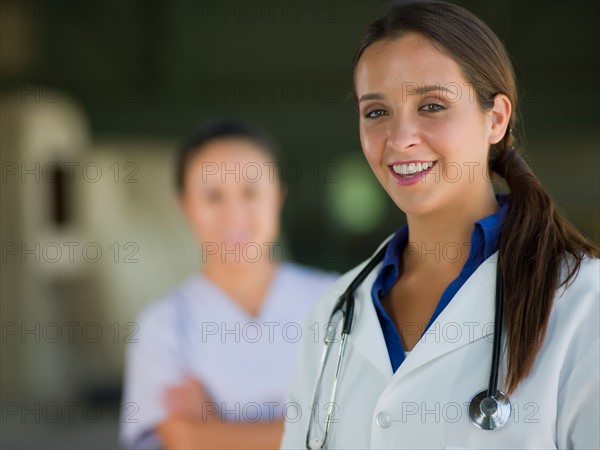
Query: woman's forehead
(231, 149)
(237, 160)
(405, 63)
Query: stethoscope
(489, 409)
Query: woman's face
(232, 197)
(415, 105)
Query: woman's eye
(374, 114)
(431, 107)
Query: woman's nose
(403, 134)
(234, 211)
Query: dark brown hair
(535, 238)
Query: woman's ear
(500, 117)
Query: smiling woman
(434, 89)
(409, 100)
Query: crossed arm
(188, 427)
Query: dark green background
(148, 68)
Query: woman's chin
(414, 205)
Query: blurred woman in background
(215, 355)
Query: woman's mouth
(407, 174)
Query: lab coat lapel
(467, 318)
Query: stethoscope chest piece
(490, 412)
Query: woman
(215, 356)
(435, 91)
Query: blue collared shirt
(484, 243)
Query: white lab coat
(424, 404)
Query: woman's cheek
(374, 141)
(370, 151)
(267, 216)
(207, 224)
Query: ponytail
(534, 242)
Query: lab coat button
(383, 420)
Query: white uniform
(244, 362)
(424, 404)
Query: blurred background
(96, 95)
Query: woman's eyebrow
(423, 89)
(371, 96)
(410, 89)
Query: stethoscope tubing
(498, 321)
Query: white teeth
(411, 168)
